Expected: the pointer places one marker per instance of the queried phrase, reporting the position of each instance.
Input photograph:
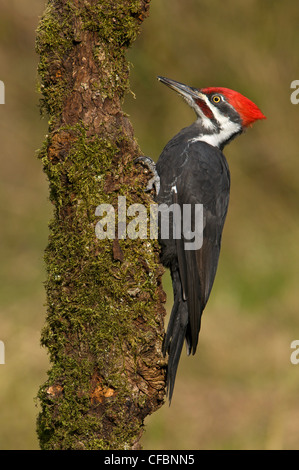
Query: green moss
(114, 22)
(88, 307)
(53, 40)
(83, 168)
(90, 331)
(115, 27)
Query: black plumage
(194, 172)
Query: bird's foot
(154, 182)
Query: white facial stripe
(206, 122)
(227, 128)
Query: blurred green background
(241, 390)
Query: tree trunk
(105, 312)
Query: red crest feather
(248, 111)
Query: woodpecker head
(222, 113)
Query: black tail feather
(184, 324)
(174, 341)
(176, 333)
(170, 327)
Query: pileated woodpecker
(193, 170)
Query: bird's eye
(216, 99)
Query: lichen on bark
(104, 323)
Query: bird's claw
(154, 182)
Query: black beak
(186, 91)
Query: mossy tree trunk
(105, 312)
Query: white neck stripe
(226, 127)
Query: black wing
(197, 173)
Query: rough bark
(105, 312)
